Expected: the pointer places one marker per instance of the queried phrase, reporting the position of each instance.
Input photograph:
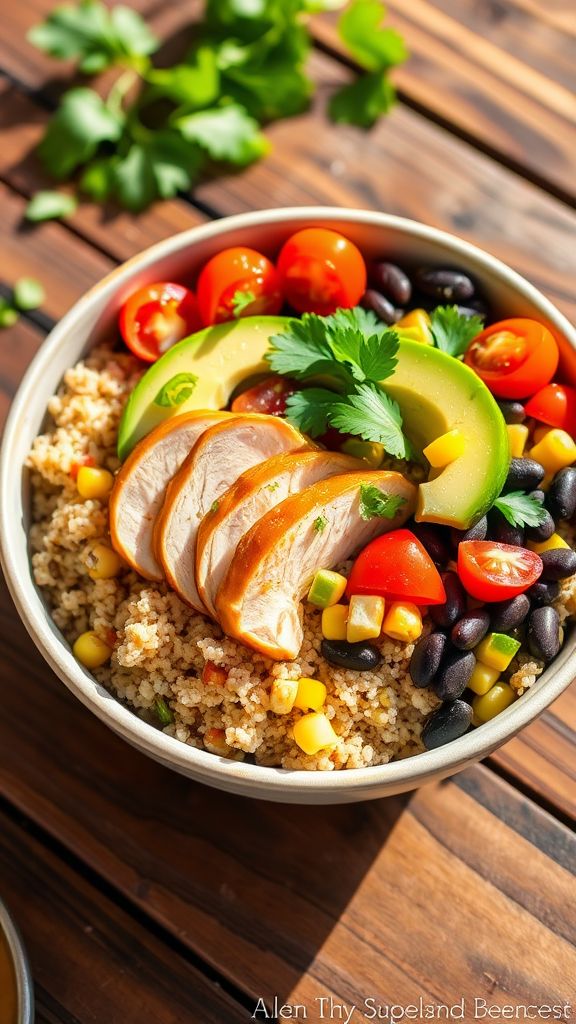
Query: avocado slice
(437, 393)
(199, 372)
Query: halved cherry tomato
(554, 404)
(514, 357)
(238, 282)
(321, 271)
(157, 316)
(269, 396)
(397, 566)
(495, 572)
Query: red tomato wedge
(495, 572)
(269, 396)
(238, 282)
(554, 404)
(156, 317)
(514, 357)
(398, 567)
(321, 271)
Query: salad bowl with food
(288, 500)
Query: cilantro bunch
(343, 359)
(160, 128)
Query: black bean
(544, 633)
(445, 615)
(454, 674)
(381, 306)
(559, 564)
(392, 282)
(562, 494)
(541, 593)
(542, 532)
(523, 475)
(360, 657)
(513, 412)
(538, 496)
(445, 284)
(450, 721)
(507, 615)
(479, 307)
(470, 629)
(435, 541)
(503, 532)
(426, 658)
(476, 532)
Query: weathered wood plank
(501, 73)
(92, 962)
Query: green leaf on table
(451, 331)
(8, 315)
(520, 509)
(28, 293)
(374, 47)
(195, 84)
(47, 205)
(94, 35)
(309, 410)
(81, 123)
(97, 179)
(161, 166)
(364, 101)
(226, 133)
(371, 414)
(373, 503)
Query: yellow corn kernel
(94, 482)
(553, 542)
(369, 451)
(488, 705)
(403, 622)
(90, 650)
(334, 621)
(496, 650)
(282, 696)
(313, 732)
(517, 436)
(483, 678)
(311, 695)
(555, 451)
(365, 614)
(445, 449)
(102, 562)
(415, 325)
(540, 432)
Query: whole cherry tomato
(514, 357)
(157, 316)
(496, 572)
(554, 404)
(321, 271)
(397, 566)
(269, 396)
(238, 282)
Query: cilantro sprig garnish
(159, 129)
(373, 503)
(452, 331)
(350, 353)
(520, 509)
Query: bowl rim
(20, 964)
(240, 775)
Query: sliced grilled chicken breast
(214, 464)
(140, 486)
(251, 497)
(258, 602)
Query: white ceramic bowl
(178, 258)
(10, 935)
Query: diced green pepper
(327, 588)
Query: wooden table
(145, 899)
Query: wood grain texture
(302, 901)
(498, 72)
(92, 962)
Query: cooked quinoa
(162, 649)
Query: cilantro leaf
(309, 410)
(372, 358)
(28, 293)
(226, 133)
(93, 35)
(160, 166)
(374, 503)
(375, 48)
(241, 300)
(364, 101)
(358, 318)
(47, 205)
(301, 344)
(74, 133)
(195, 83)
(372, 415)
(451, 331)
(519, 509)
(320, 523)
